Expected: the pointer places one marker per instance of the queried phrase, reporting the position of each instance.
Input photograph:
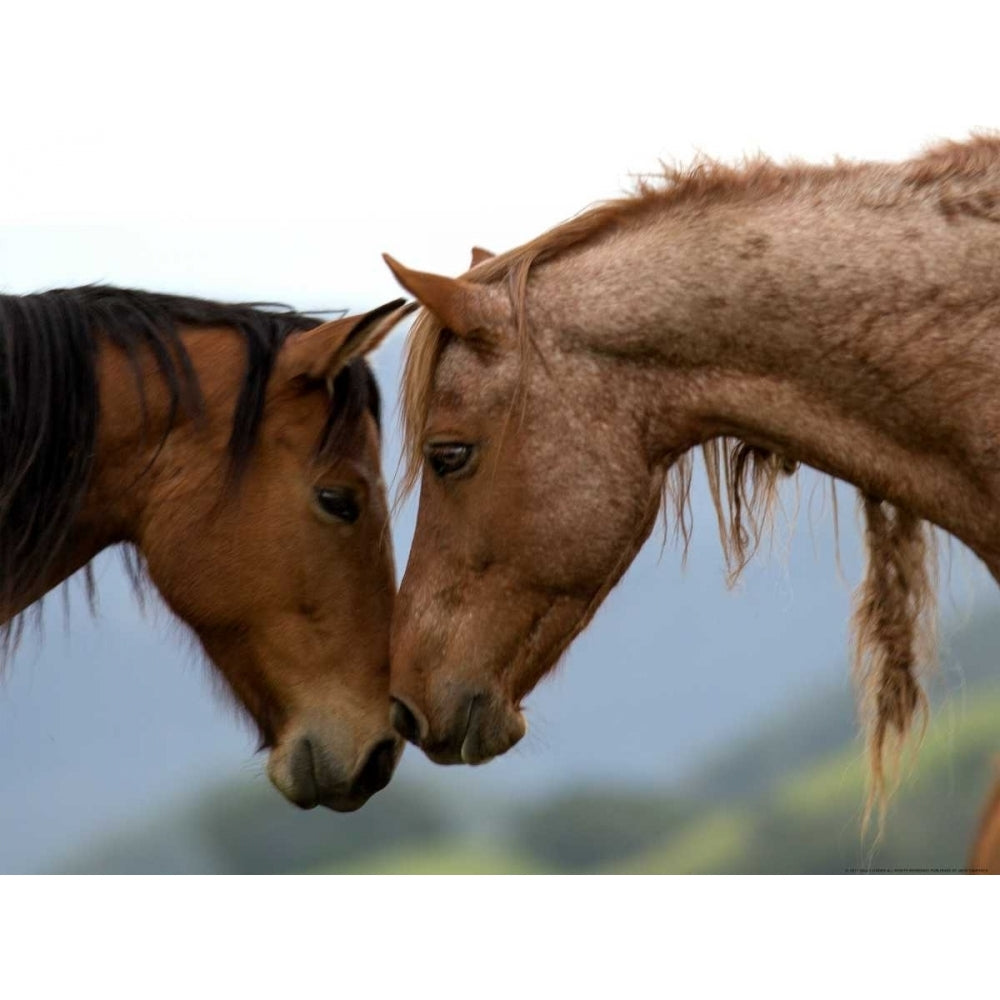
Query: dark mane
(49, 400)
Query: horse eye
(448, 458)
(339, 504)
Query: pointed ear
(321, 352)
(464, 307)
(479, 255)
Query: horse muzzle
(473, 727)
(309, 774)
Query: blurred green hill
(787, 797)
(809, 821)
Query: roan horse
(844, 316)
(236, 450)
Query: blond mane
(894, 616)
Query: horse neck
(132, 449)
(860, 341)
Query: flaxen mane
(894, 616)
(49, 401)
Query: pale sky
(423, 128)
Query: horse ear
(321, 352)
(464, 307)
(479, 255)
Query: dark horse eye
(448, 458)
(338, 503)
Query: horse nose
(407, 722)
(310, 773)
(378, 768)
(474, 726)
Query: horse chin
(309, 799)
(340, 804)
(493, 728)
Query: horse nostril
(404, 721)
(378, 768)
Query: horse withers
(235, 450)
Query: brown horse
(843, 316)
(236, 451)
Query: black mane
(49, 400)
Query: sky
(275, 151)
(424, 128)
